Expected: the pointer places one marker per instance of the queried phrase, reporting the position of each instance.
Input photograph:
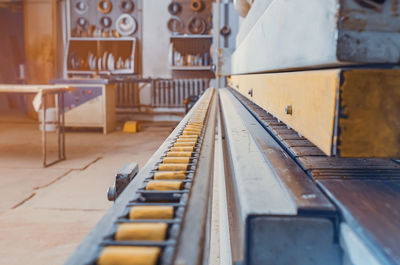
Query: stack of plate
(103, 63)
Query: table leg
(44, 130)
(63, 124)
(58, 126)
(60, 130)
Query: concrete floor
(46, 213)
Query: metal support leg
(44, 130)
(60, 130)
(63, 125)
(58, 126)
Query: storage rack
(190, 50)
(97, 49)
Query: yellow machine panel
(348, 113)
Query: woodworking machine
(286, 201)
(293, 161)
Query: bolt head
(288, 109)
(111, 193)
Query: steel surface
(319, 33)
(273, 195)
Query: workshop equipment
(146, 222)
(282, 35)
(91, 105)
(293, 163)
(41, 93)
(284, 195)
(124, 176)
(325, 107)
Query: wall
(155, 44)
(11, 42)
(11, 52)
(155, 38)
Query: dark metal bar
(153, 93)
(63, 125)
(44, 130)
(60, 130)
(58, 126)
(291, 206)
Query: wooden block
(181, 140)
(131, 127)
(179, 154)
(182, 148)
(141, 231)
(180, 144)
(164, 185)
(175, 175)
(194, 137)
(191, 133)
(151, 212)
(196, 126)
(172, 167)
(191, 129)
(122, 255)
(344, 112)
(176, 160)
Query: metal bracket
(122, 179)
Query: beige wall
(155, 43)
(155, 38)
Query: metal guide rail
(365, 191)
(279, 215)
(146, 222)
(312, 159)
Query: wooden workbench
(39, 102)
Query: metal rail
(60, 130)
(277, 208)
(283, 196)
(189, 203)
(365, 192)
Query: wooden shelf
(190, 68)
(191, 37)
(102, 38)
(121, 71)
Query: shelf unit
(126, 47)
(191, 36)
(190, 53)
(190, 39)
(190, 68)
(101, 38)
(77, 59)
